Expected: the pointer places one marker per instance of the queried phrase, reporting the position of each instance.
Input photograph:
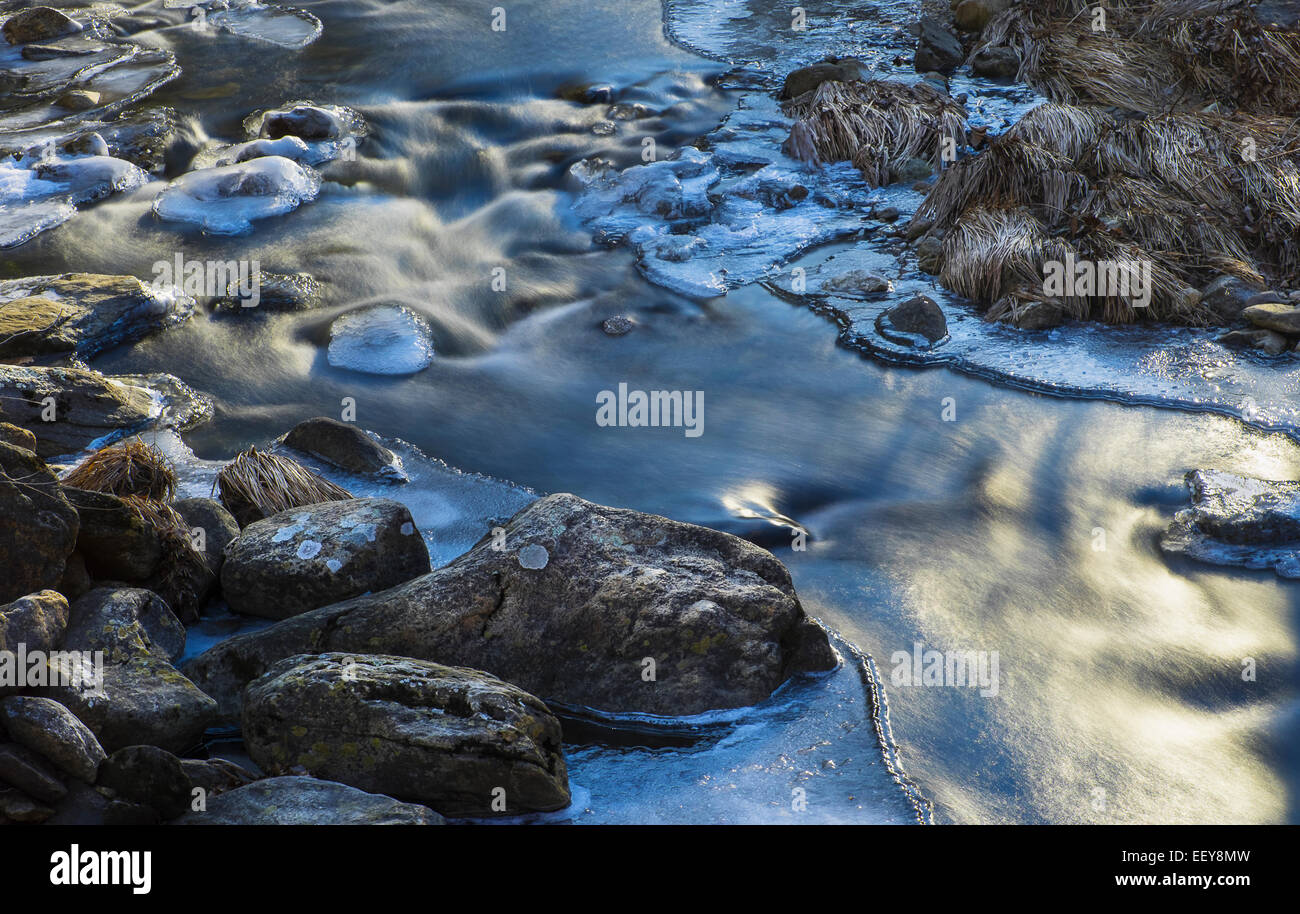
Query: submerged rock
(345, 446)
(447, 737)
(1238, 520)
(38, 526)
(227, 200)
(307, 801)
(384, 340)
(623, 597)
(84, 313)
(319, 554)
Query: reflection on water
(1027, 526)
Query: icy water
(1026, 526)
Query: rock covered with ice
(385, 339)
(42, 189)
(226, 200)
(1238, 520)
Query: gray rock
(929, 254)
(937, 48)
(219, 529)
(617, 326)
(24, 770)
(1238, 521)
(307, 122)
(123, 622)
(307, 801)
(1038, 315)
(344, 445)
(40, 23)
(717, 615)
(918, 316)
(38, 527)
(150, 777)
(446, 737)
(1280, 14)
(86, 406)
(319, 554)
(16, 806)
(806, 79)
(143, 699)
(114, 539)
(913, 169)
(1226, 297)
(37, 620)
(1275, 316)
(52, 731)
(83, 313)
(216, 775)
(860, 284)
(995, 63)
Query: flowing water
(948, 506)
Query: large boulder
(345, 446)
(458, 740)
(38, 527)
(581, 604)
(68, 408)
(142, 700)
(52, 731)
(113, 538)
(37, 621)
(308, 557)
(83, 313)
(307, 801)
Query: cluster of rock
(1271, 319)
(387, 691)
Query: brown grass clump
(256, 485)
(1196, 195)
(877, 125)
(129, 468)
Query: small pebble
(617, 326)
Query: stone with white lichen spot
(316, 555)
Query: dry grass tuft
(129, 468)
(877, 125)
(256, 485)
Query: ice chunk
(385, 339)
(226, 200)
